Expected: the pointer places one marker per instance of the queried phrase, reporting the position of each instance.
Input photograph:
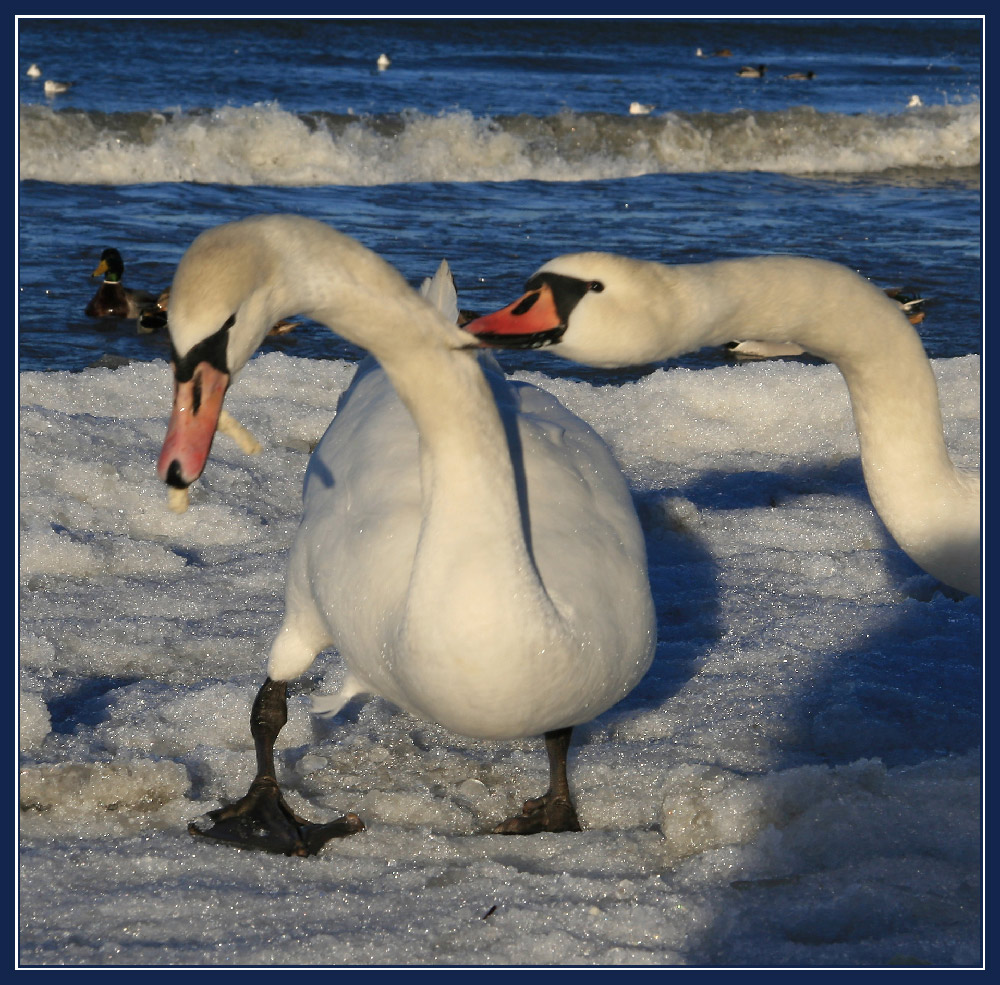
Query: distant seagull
(749, 72)
(914, 101)
(34, 71)
(800, 75)
(53, 88)
(698, 53)
(383, 62)
(641, 109)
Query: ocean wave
(263, 144)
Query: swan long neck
(838, 315)
(468, 477)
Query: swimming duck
(468, 545)
(33, 71)
(749, 72)
(53, 88)
(383, 62)
(113, 299)
(609, 311)
(804, 76)
(641, 109)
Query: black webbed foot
(262, 820)
(547, 813)
(554, 810)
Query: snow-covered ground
(796, 782)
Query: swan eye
(596, 286)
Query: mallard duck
(800, 75)
(749, 72)
(113, 299)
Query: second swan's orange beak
(529, 323)
(197, 405)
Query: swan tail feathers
(441, 292)
(327, 705)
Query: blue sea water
(498, 144)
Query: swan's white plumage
(647, 312)
(470, 549)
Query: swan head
(220, 310)
(592, 308)
(236, 281)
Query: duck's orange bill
(197, 405)
(532, 314)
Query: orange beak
(197, 405)
(530, 322)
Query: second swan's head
(594, 308)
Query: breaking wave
(263, 144)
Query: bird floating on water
(34, 71)
(800, 75)
(751, 72)
(641, 109)
(54, 88)
(113, 299)
(383, 61)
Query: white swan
(610, 311)
(467, 544)
(770, 349)
(641, 109)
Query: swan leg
(554, 810)
(262, 819)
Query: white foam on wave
(264, 144)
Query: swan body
(468, 545)
(383, 62)
(54, 88)
(609, 311)
(641, 109)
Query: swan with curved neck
(611, 311)
(468, 545)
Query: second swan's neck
(930, 508)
